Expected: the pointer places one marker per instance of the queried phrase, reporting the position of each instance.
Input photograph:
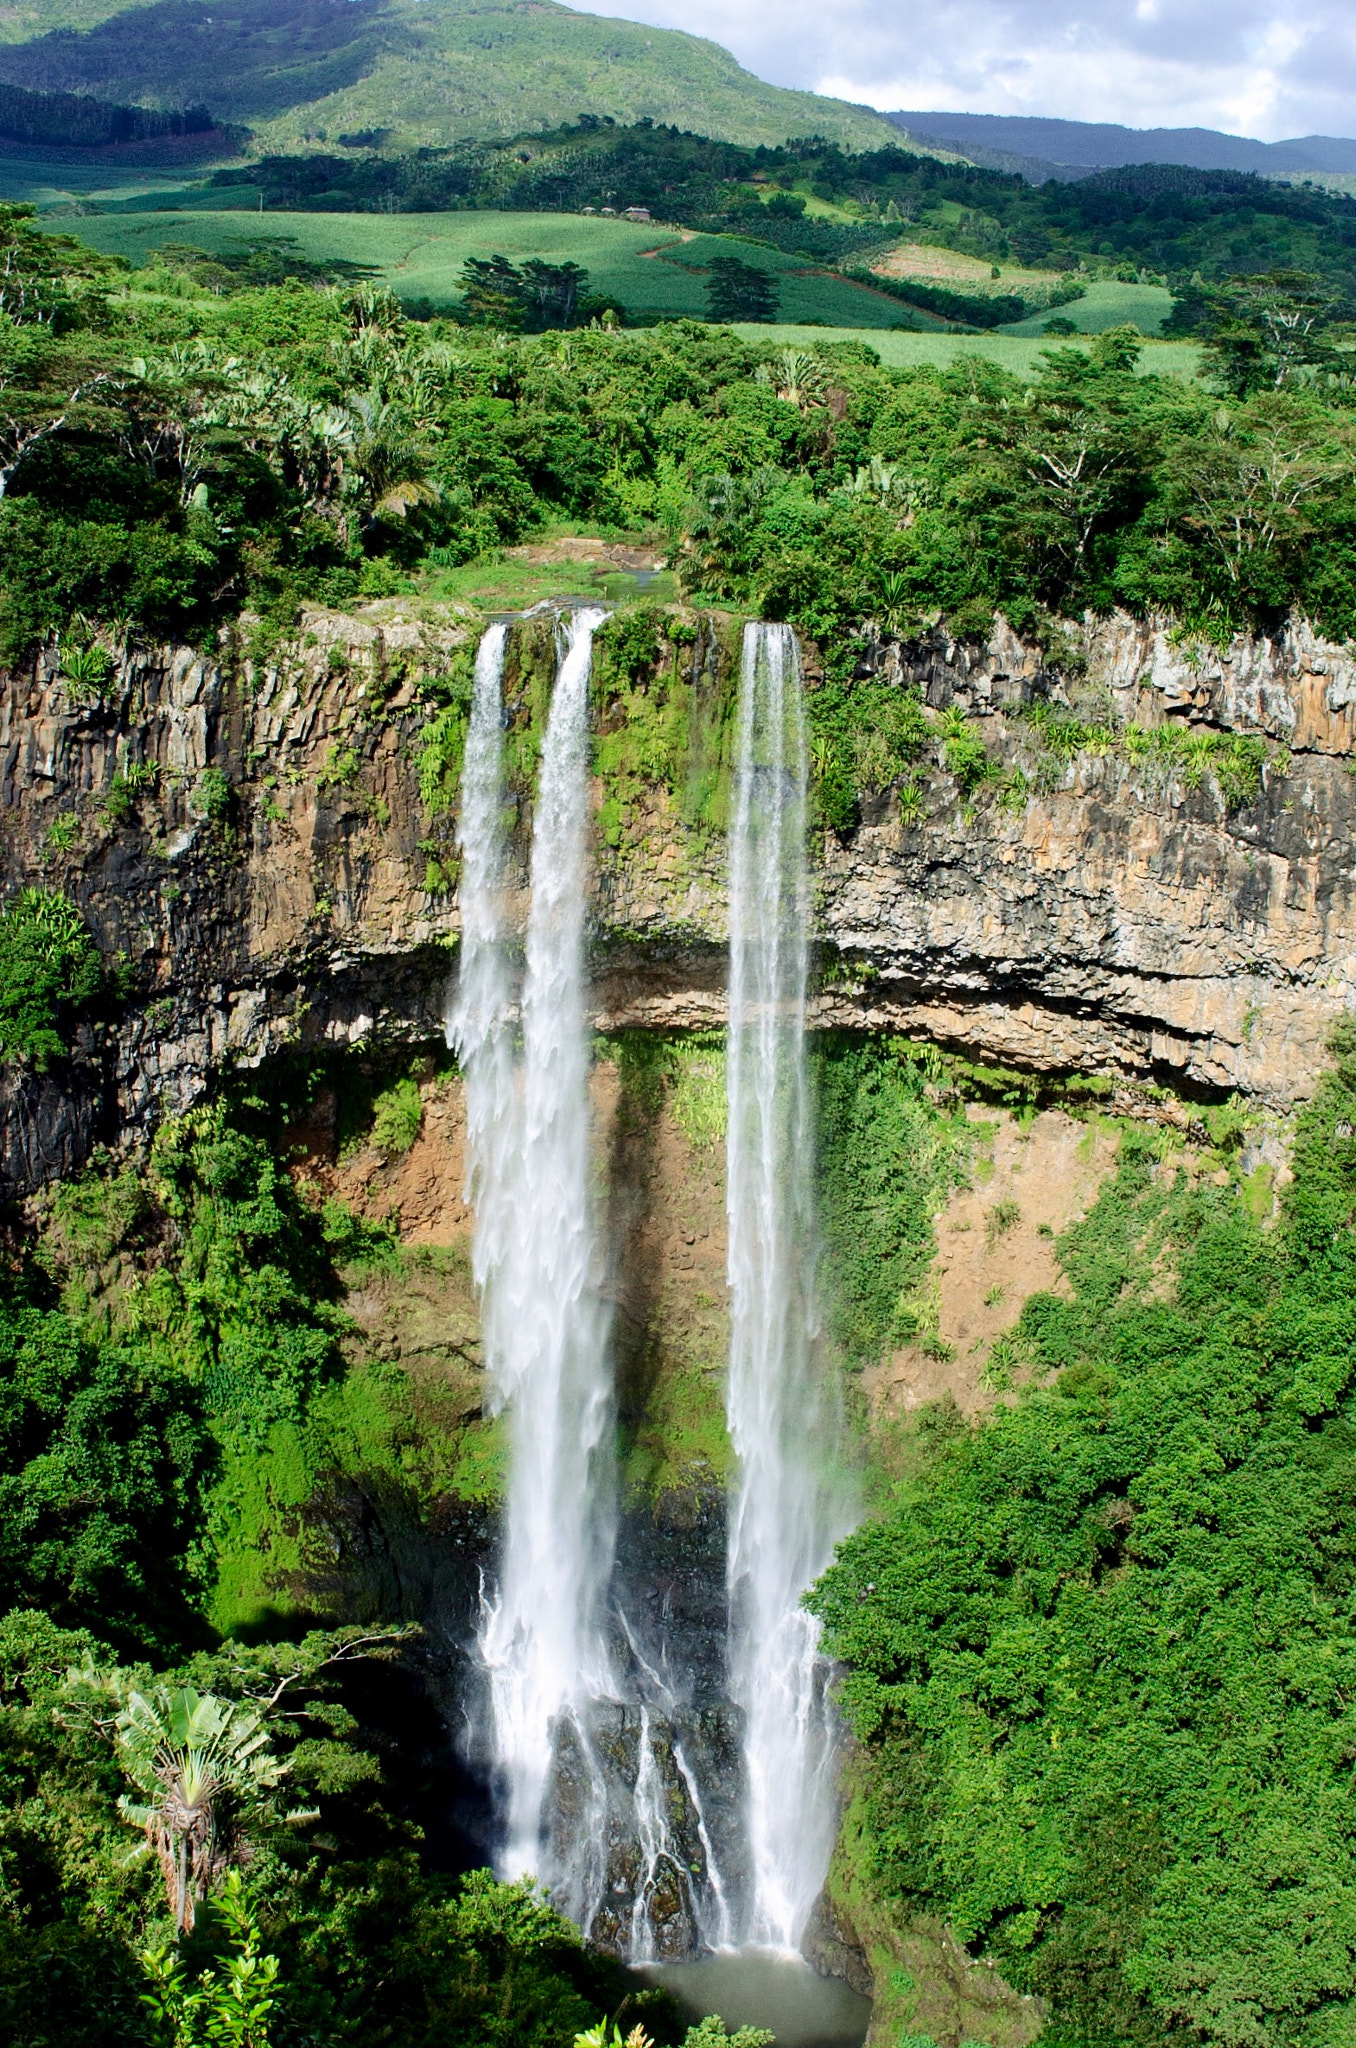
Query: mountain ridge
(416, 73)
(1043, 146)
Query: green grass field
(1014, 349)
(1107, 304)
(651, 270)
(502, 583)
(50, 178)
(420, 255)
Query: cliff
(244, 831)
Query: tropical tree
(740, 291)
(1271, 330)
(201, 1764)
(1249, 488)
(718, 545)
(169, 415)
(42, 391)
(797, 377)
(388, 459)
(536, 295)
(49, 969)
(46, 280)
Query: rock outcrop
(243, 829)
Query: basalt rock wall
(245, 835)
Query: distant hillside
(933, 235)
(403, 73)
(1041, 148)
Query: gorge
(677, 1147)
(630, 1670)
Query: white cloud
(1269, 68)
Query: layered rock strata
(245, 835)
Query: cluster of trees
(532, 297)
(74, 120)
(1172, 222)
(204, 1840)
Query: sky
(1269, 68)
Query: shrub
(49, 971)
(397, 1115)
(211, 798)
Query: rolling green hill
(653, 273)
(409, 73)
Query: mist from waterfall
(784, 1518)
(542, 1640)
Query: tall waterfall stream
(669, 1815)
(782, 1520)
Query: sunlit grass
(1018, 352)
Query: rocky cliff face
(1122, 920)
(246, 833)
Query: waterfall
(782, 1515)
(542, 1640)
(621, 1783)
(479, 1021)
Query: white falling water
(713, 1905)
(541, 1639)
(479, 1019)
(783, 1522)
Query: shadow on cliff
(375, 1554)
(634, 1243)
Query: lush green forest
(165, 464)
(402, 71)
(1098, 1646)
(179, 1412)
(74, 121)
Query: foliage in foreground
(1100, 1652)
(321, 1925)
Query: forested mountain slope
(413, 72)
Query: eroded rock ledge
(1119, 922)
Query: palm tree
(797, 377)
(201, 1762)
(389, 461)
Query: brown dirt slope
(995, 1247)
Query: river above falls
(756, 1988)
